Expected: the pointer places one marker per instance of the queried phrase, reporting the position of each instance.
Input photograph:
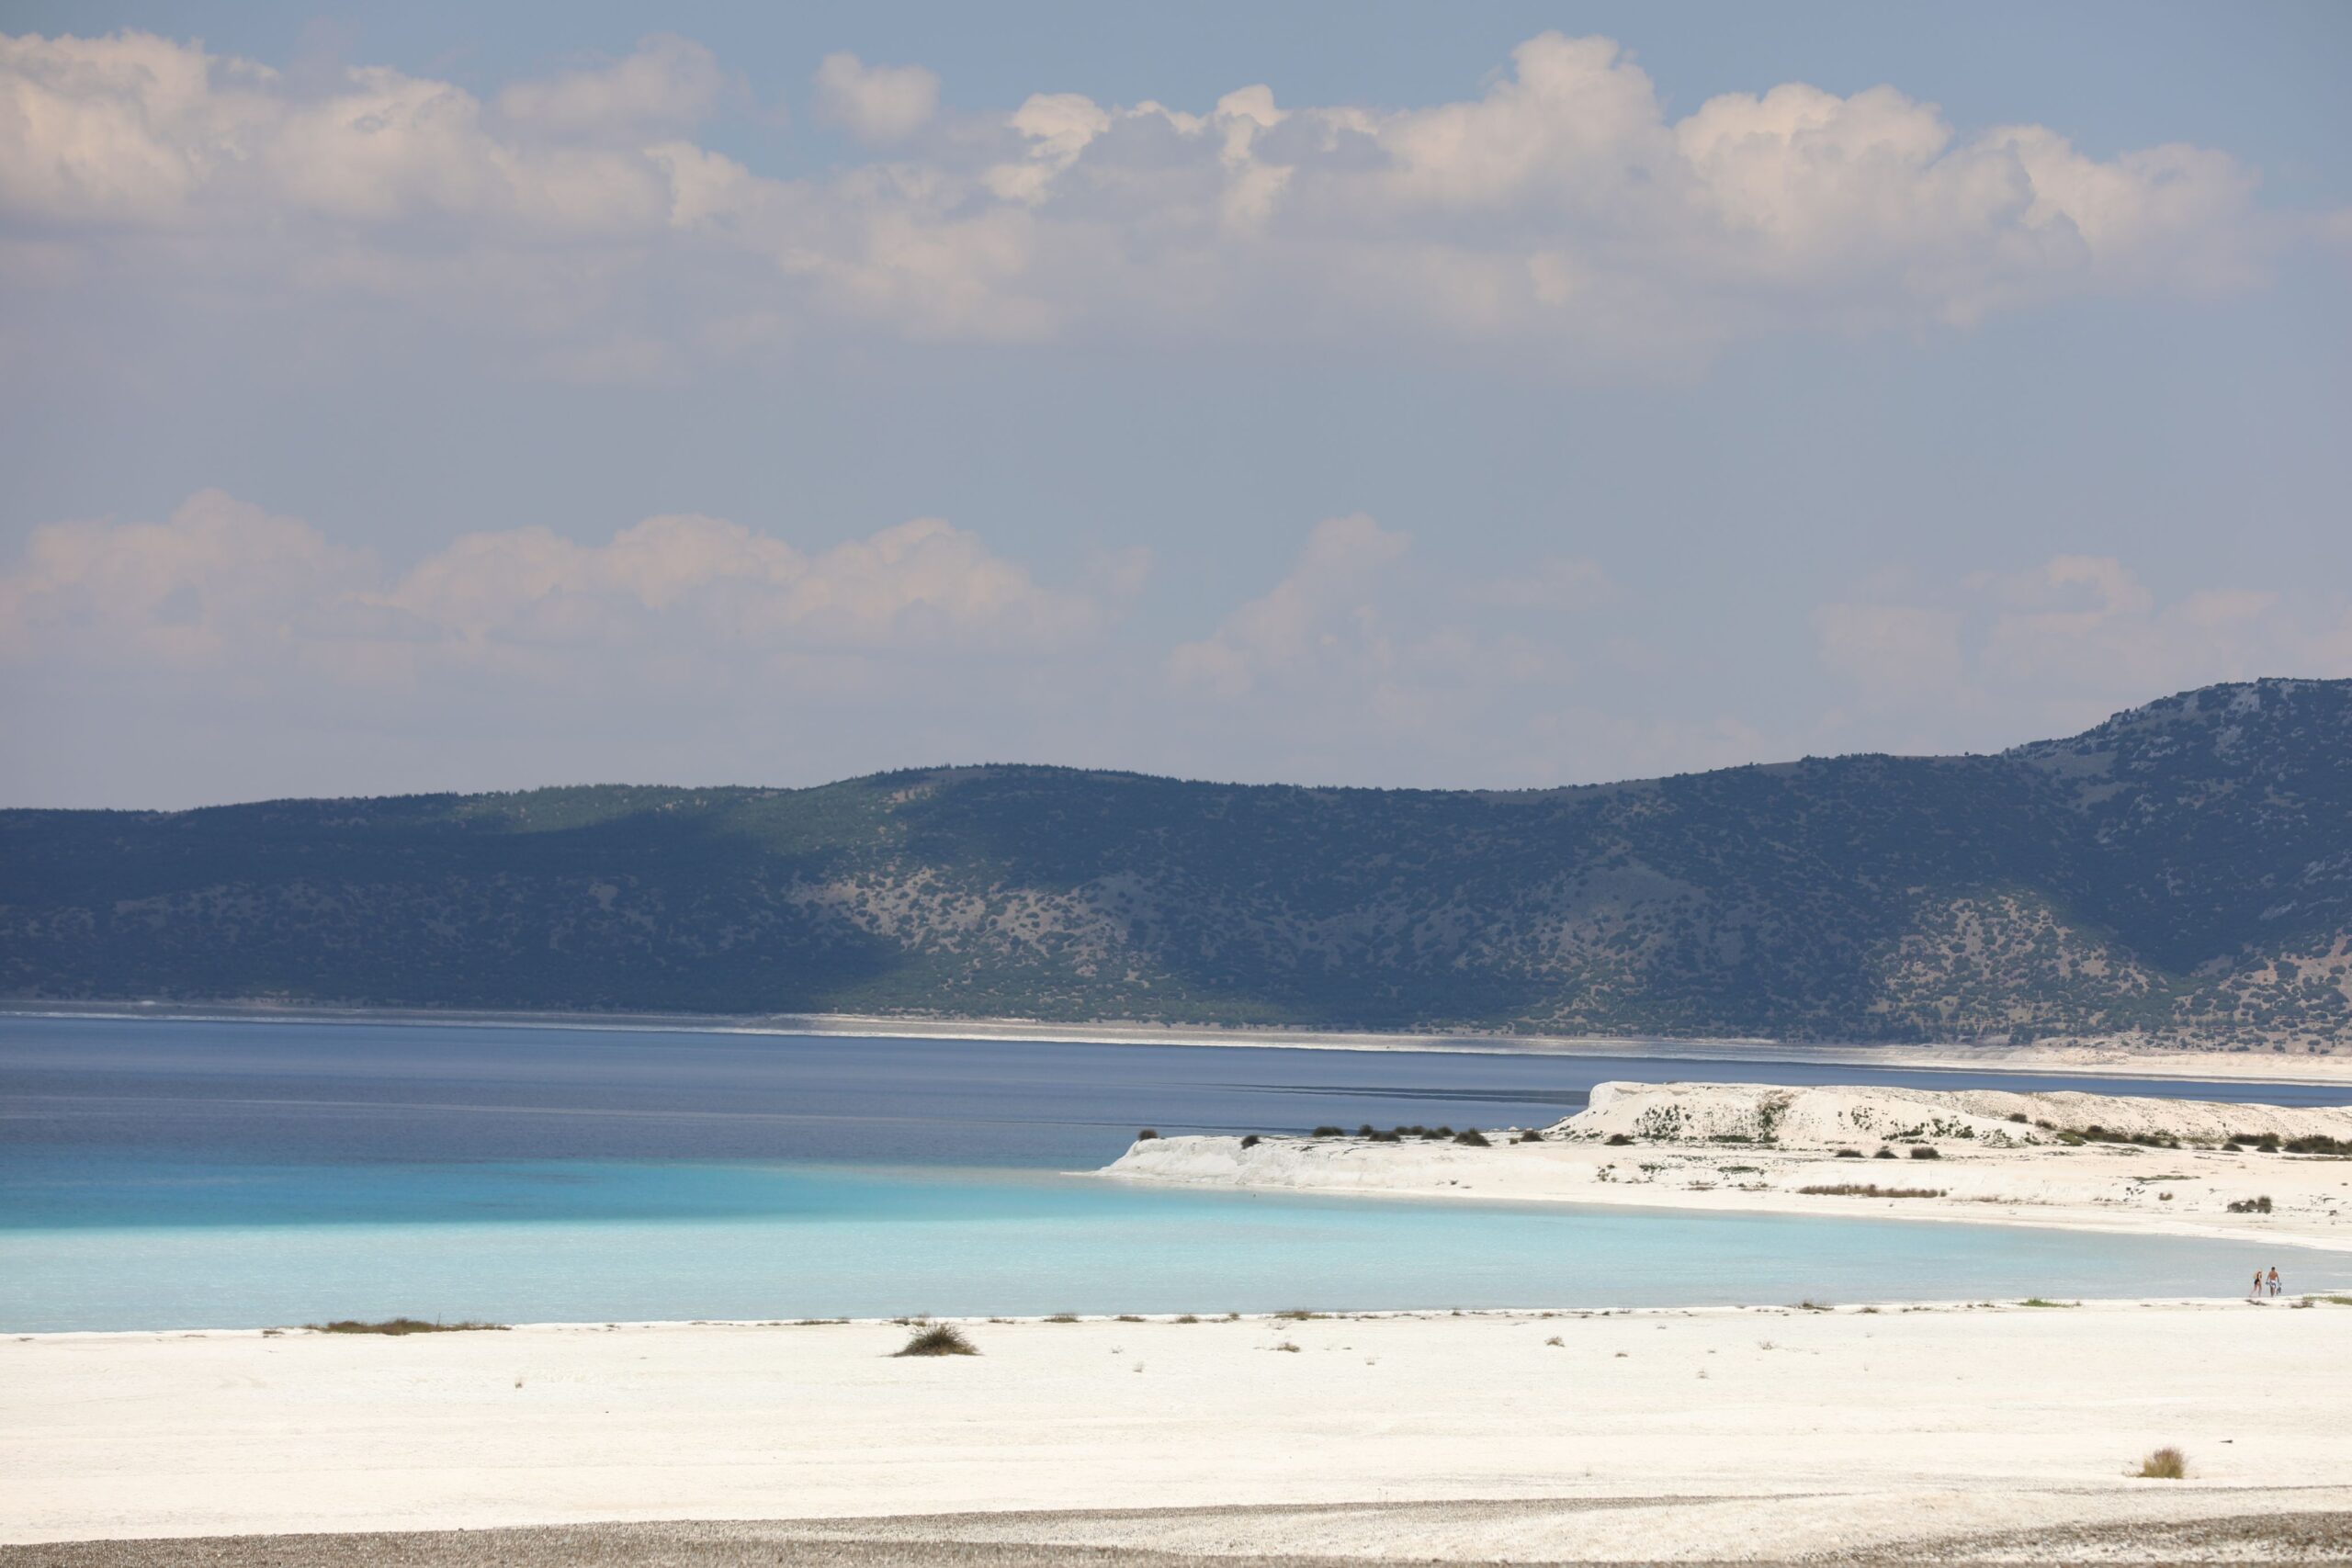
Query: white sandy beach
(1760, 1432)
(1988, 1170)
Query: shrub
(1146, 1134)
(1618, 1140)
(1388, 1137)
(1883, 1153)
(1127, 1317)
(1328, 1132)
(939, 1339)
(2165, 1464)
(1250, 1142)
(2251, 1205)
(400, 1326)
(1926, 1151)
(1365, 1130)
(1529, 1136)
(1849, 1154)
(2039, 1301)
(1287, 1348)
(1471, 1136)
(1063, 1317)
(2318, 1144)
(1871, 1189)
(1186, 1318)
(2017, 1116)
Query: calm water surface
(196, 1174)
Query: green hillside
(2182, 872)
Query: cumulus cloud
(669, 83)
(2071, 638)
(1560, 213)
(263, 651)
(1315, 616)
(876, 103)
(225, 589)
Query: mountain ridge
(2178, 874)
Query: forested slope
(2183, 871)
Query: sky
(456, 398)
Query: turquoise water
(165, 1175)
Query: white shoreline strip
(2115, 1062)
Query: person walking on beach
(2274, 1280)
(2255, 1294)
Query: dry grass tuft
(2165, 1464)
(939, 1339)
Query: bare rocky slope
(2180, 875)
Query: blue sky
(579, 392)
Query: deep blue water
(192, 1174)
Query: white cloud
(876, 103)
(223, 589)
(668, 83)
(2066, 642)
(1560, 214)
(1317, 614)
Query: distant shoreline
(2055, 1061)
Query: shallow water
(220, 1174)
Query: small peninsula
(2066, 1159)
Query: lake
(231, 1173)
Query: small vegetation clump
(1870, 1189)
(2271, 1143)
(1529, 1136)
(1063, 1317)
(1471, 1136)
(1883, 1153)
(1926, 1151)
(2165, 1464)
(1849, 1154)
(1250, 1142)
(1149, 1133)
(939, 1339)
(1329, 1131)
(398, 1326)
(2094, 1134)
(2251, 1205)
(2039, 1301)
(1618, 1140)
(1186, 1318)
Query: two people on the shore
(2261, 1285)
